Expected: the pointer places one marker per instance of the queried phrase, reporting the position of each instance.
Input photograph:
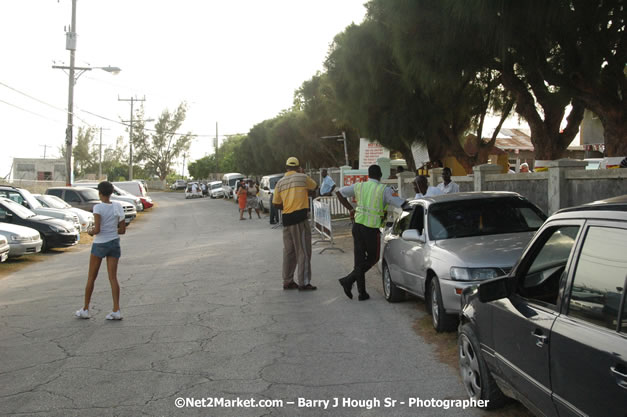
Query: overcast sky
(235, 62)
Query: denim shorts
(110, 248)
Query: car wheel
(476, 376)
(44, 243)
(442, 322)
(391, 292)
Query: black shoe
(363, 297)
(273, 222)
(307, 287)
(347, 287)
(291, 286)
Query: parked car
(25, 198)
(191, 194)
(449, 242)
(4, 248)
(85, 218)
(118, 194)
(54, 233)
(179, 185)
(553, 332)
(136, 189)
(22, 240)
(86, 198)
(228, 183)
(266, 189)
(215, 189)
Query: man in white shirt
(328, 185)
(423, 189)
(448, 186)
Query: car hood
(48, 221)
(501, 251)
(52, 212)
(8, 228)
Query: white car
(85, 218)
(4, 248)
(215, 189)
(22, 240)
(266, 189)
(25, 198)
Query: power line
(31, 112)
(203, 135)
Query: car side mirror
(412, 235)
(494, 289)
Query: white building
(38, 169)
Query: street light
(340, 138)
(70, 45)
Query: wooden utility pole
(130, 135)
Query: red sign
(352, 179)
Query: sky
(235, 63)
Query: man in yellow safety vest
(372, 200)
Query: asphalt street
(205, 317)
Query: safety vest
(370, 206)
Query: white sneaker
(82, 314)
(114, 315)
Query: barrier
(322, 223)
(337, 210)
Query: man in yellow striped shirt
(291, 195)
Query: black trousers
(366, 242)
(274, 213)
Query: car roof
(70, 188)
(474, 195)
(273, 175)
(610, 208)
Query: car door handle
(621, 378)
(542, 339)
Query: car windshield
(486, 216)
(53, 201)
(214, 186)
(89, 194)
(273, 182)
(18, 209)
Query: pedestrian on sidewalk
(109, 224)
(291, 195)
(373, 199)
(252, 201)
(328, 185)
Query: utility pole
(45, 147)
(130, 135)
(183, 168)
(217, 161)
(100, 155)
(70, 44)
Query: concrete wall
(586, 186)
(532, 186)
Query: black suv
(553, 332)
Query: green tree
(159, 148)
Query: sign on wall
(369, 152)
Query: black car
(553, 332)
(54, 233)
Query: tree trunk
(615, 135)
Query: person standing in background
(252, 202)
(423, 189)
(447, 186)
(242, 194)
(328, 185)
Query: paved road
(205, 316)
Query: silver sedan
(446, 243)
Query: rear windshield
(89, 194)
(480, 217)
